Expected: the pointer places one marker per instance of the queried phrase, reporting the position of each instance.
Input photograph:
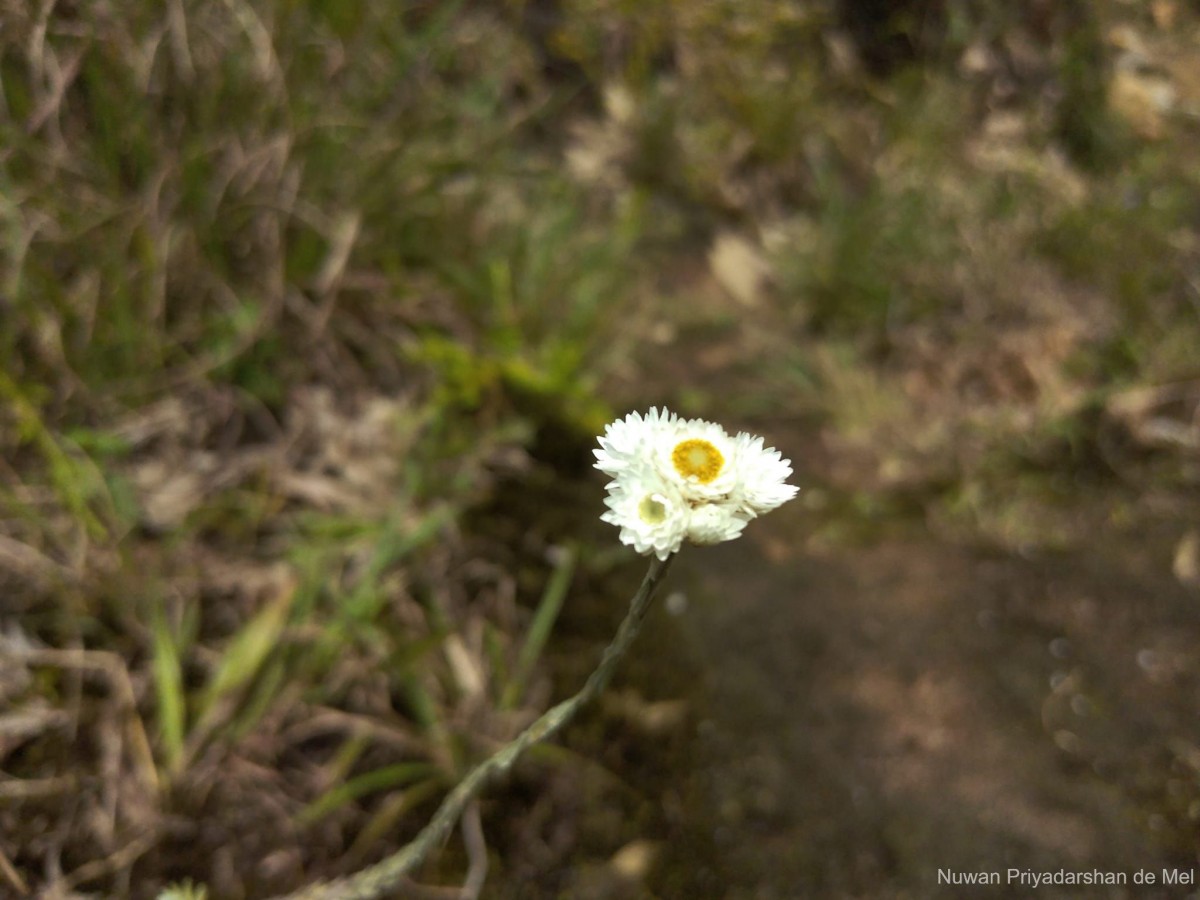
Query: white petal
(764, 473)
(714, 523)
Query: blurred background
(310, 314)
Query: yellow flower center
(698, 459)
(652, 511)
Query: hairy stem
(374, 881)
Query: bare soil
(912, 706)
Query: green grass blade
(168, 687)
(541, 626)
(249, 649)
(384, 821)
(369, 783)
(394, 544)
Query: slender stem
(373, 882)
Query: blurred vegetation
(289, 288)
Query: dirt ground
(878, 716)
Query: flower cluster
(677, 479)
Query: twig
(9, 871)
(114, 862)
(374, 881)
(472, 829)
(118, 675)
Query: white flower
(651, 514)
(698, 456)
(763, 484)
(677, 479)
(626, 441)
